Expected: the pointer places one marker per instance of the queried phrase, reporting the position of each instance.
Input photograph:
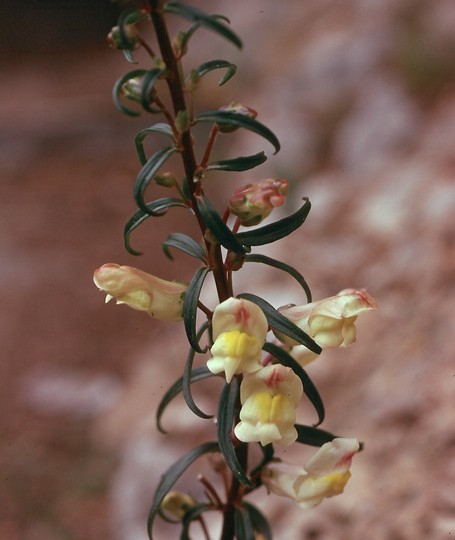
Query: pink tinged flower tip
(141, 291)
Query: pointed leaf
(258, 520)
(193, 514)
(171, 476)
(309, 388)
(183, 243)
(226, 414)
(116, 91)
(190, 307)
(212, 22)
(275, 231)
(239, 120)
(196, 374)
(148, 171)
(241, 163)
(313, 436)
(216, 225)
(206, 67)
(148, 84)
(156, 208)
(281, 323)
(161, 127)
(243, 526)
(282, 266)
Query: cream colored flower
(239, 328)
(330, 322)
(324, 475)
(159, 298)
(269, 398)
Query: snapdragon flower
(325, 474)
(159, 298)
(269, 398)
(330, 322)
(239, 328)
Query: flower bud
(239, 330)
(166, 179)
(269, 398)
(159, 298)
(132, 88)
(239, 109)
(324, 475)
(177, 503)
(254, 202)
(129, 39)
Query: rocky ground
(361, 95)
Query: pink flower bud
(239, 330)
(237, 108)
(160, 298)
(269, 398)
(254, 202)
(324, 475)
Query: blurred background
(361, 94)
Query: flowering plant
(264, 381)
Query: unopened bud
(239, 109)
(166, 179)
(132, 89)
(177, 503)
(254, 202)
(128, 39)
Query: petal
(332, 457)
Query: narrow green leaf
(148, 171)
(216, 225)
(282, 266)
(241, 163)
(275, 231)
(313, 436)
(156, 208)
(309, 388)
(188, 375)
(190, 307)
(258, 520)
(207, 67)
(116, 91)
(193, 514)
(148, 84)
(242, 523)
(184, 243)
(239, 120)
(281, 323)
(226, 414)
(196, 374)
(161, 127)
(212, 22)
(171, 476)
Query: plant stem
(174, 83)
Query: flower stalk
(265, 383)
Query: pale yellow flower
(269, 398)
(239, 329)
(324, 475)
(159, 298)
